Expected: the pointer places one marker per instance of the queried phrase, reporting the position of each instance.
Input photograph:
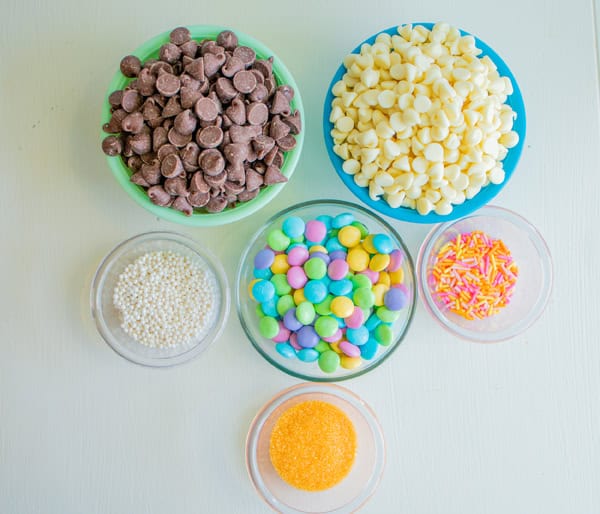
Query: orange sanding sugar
(313, 445)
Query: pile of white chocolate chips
(421, 120)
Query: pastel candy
(293, 227)
(264, 259)
(396, 259)
(315, 231)
(343, 219)
(315, 291)
(308, 355)
(356, 319)
(337, 269)
(357, 336)
(294, 341)
(263, 290)
(349, 349)
(369, 349)
(395, 299)
(290, 321)
(307, 337)
(329, 361)
(297, 256)
(335, 337)
(283, 335)
(285, 350)
(383, 243)
(296, 277)
(268, 327)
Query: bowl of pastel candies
(486, 277)
(326, 290)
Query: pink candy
(283, 335)
(294, 341)
(395, 261)
(349, 349)
(355, 319)
(315, 231)
(296, 277)
(337, 269)
(373, 275)
(297, 256)
(334, 338)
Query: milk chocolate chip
(130, 66)
(179, 36)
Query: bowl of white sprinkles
(159, 299)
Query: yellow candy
(280, 264)
(336, 347)
(379, 262)
(299, 296)
(350, 362)
(379, 291)
(342, 306)
(250, 286)
(397, 277)
(384, 278)
(367, 244)
(349, 236)
(358, 259)
(317, 248)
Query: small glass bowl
(247, 307)
(532, 288)
(347, 496)
(107, 317)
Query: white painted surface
(471, 429)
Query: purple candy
(349, 349)
(396, 259)
(322, 256)
(338, 254)
(395, 299)
(290, 321)
(308, 337)
(297, 256)
(264, 259)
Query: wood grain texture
(470, 429)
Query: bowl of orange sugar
(315, 448)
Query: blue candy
(265, 274)
(340, 287)
(293, 227)
(269, 307)
(315, 291)
(369, 349)
(372, 323)
(383, 243)
(285, 350)
(308, 355)
(333, 245)
(343, 219)
(263, 290)
(325, 219)
(357, 336)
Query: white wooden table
(470, 429)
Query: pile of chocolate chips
(205, 126)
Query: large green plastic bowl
(120, 171)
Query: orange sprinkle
(475, 275)
(313, 445)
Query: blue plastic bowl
(483, 197)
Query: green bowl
(122, 173)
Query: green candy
(386, 315)
(315, 268)
(364, 297)
(279, 280)
(284, 304)
(326, 326)
(322, 346)
(324, 308)
(305, 313)
(277, 240)
(364, 231)
(329, 361)
(259, 311)
(383, 335)
(268, 327)
(361, 281)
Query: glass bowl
(532, 288)
(484, 196)
(107, 317)
(348, 495)
(246, 307)
(121, 172)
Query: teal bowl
(121, 172)
(483, 197)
